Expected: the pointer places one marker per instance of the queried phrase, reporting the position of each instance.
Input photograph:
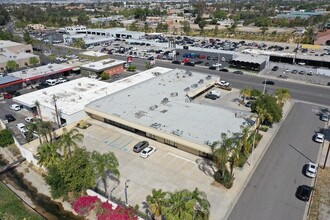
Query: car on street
(189, 64)
(10, 118)
(224, 83)
(324, 117)
(268, 82)
(199, 62)
(146, 152)
(224, 70)
(212, 68)
(319, 138)
(304, 192)
(140, 146)
(311, 170)
(211, 96)
(238, 72)
(15, 107)
(217, 65)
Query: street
(270, 193)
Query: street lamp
(126, 186)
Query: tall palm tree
(156, 203)
(34, 128)
(104, 163)
(68, 140)
(220, 156)
(37, 104)
(47, 155)
(202, 208)
(245, 92)
(245, 140)
(180, 206)
(46, 130)
(282, 95)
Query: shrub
(120, 213)
(85, 204)
(6, 138)
(105, 76)
(226, 180)
(242, 160)
(264, 128)
(131, 68)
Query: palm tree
(104, 163)
(180, 205)
(202, 208)
(220, 157)
(156, 203)
(34, 128)
(37, 104)
(245, 140)
(245, 92)
(46, 130)
(47, 155)
(69, 139)
(282, 95)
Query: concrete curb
(237, 196)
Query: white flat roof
(38, 72)
(93, 53)
(72, 96)
(102, 64)
(162, 104)
(7, 43)
(6, 55)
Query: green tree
(134, 26)
(202, 205)
(12, 66)
(221, 15)
(179, 206)
(4, 15)
(202, 25)
(146, 28)
(156, 202)
(282, 95)
(83, 19)
(37, 104)
(105, 76)
(79, 43)
(148, 65)
(58, 186)
(27, 38)
(186, 27)
(33, 61)
(269, 108)
(69, 140)
(105, 164)
(47, 155)
(264, 29)
(6, 137)
(245, 92)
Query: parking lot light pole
(126, 186)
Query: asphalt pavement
(270, 193)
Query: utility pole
(56, 111)
(126, 187)
(326, 157)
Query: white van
(51, 82)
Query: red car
(186, 60)
(7, 96)
(202, 56)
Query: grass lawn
(12, 207)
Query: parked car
(212, 68)
(248, 104)
(176, 62)
(294, 71)
(224, 70)
(301, 72)
(62, 80)
(311, 170)
(146, 152)
(21, 127)
(189, 64)
(216, 92)
(224, 83)
(140, 146)
(238, 72)
(7, 96)
(51, 82)
(10, 118)
(304, 192)
(324, 117)
(199, 62)
(268, 82)
(30, 120)
(211, 96)
(15, 107)
(319, 138)
(275, 68)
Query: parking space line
(182, 158)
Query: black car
(248, 104)
(268, 82)
(199, 62)
(304, 192)
(10, 118)
(140, 146)
(212, 68)
(208, 57)
(207, 64)
(211, 96)
(189, 64)
(294, 71)
(176, 62)
(275, 68)
(238, 72)
(224, 70)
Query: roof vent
(178, 132)
(194, 86)
(174, 94)
(140, 114)
(91, 65)
(208, 77)
(164, 101)
(155, 125)
(153, 107)
(201, 81)
(186, 89)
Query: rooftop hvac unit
(201, 81)
(194, 86)
(174, 94)
(153, 107)
(178, 132)
(91, 65)
(164, 101)
(208, 77)
(187, 89)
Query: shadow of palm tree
(206, 166)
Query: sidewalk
(243, 176)
(325, 146)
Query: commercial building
(72, 96)
(110, 66)
(10, 83)
(20, 53)
(94, 56)
(249, 62)
(162, 108)
(323, 38)
(300, 14)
